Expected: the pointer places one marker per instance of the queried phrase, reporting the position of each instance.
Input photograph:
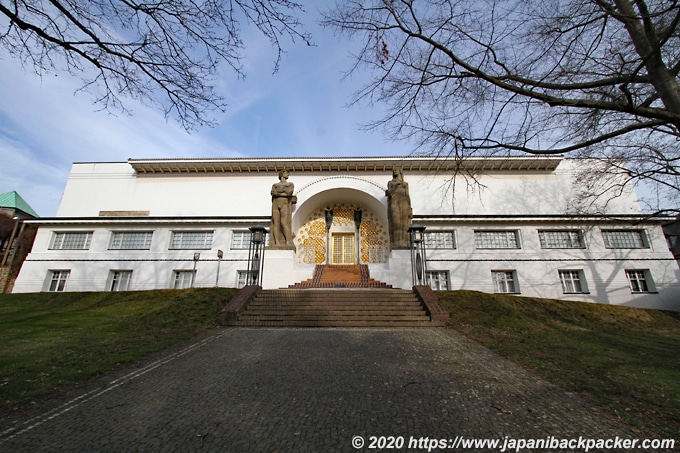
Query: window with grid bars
(120, 280)
(183, 279)
(131, 240)
(564, 239)
(439, 240)
(639, 280)
(58, 280)
(504, 282)
(191, 240)
(624, 239)
(77, 240)
(438, 280)
(241, 240)
(571, 281)
(507, 239)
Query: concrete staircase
(332, 308)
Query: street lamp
(197, 256)
(328, 214)
(256, 255)
(220, 255)
(357, 225)
(416, 235)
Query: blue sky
(301, 110)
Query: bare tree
(586, 78)
(163, 52)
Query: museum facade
(175, 223)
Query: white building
(140, 224)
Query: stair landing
(341, 276)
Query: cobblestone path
(312, 390)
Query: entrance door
(343, 248)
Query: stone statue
(282, 210)
(399, 212)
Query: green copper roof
(14, 200)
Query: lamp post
(357, 224)
(220, 254)
(197, 256)
(416, 235)
(328, 213)
(256, 255)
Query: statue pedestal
(400, 274)
(279, 267)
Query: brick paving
(309, 390)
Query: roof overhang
(343, 164)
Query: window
(566, 239)
(504, 282)
(438, 280)
(640, 280)
(58, 280)
(439, 240)
(183, 279)
(496, 240)
(131, 240)
(241, 239)
(71, 240)
(241, 278)
(571, 282)
(624, 239)
(120, 280)
(191, 240)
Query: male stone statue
(282, 209)
(399, 211)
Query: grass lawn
(625, 360)
(51, 341)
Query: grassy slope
(51, 341)
(624, 359)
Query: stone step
(330, 317)
(332, 323)
(263, 311)
(332, 308)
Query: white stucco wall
(223, 202)
(95, 187)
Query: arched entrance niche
(368, 244)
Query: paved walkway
(312, 390)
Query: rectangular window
(497, 239)
(131, 240)
(191, 240)
(240, 240)
(439, 240)
(565, 239)
(438, 280)
(640, 280)
(241, 278)
(625, 239)
(120, 280)
(58, 280)
(504, 282)
(571, 282)
(183, 279)
(79, 240)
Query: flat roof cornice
(334, 164)
(628, 219)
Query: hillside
(622, 359)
